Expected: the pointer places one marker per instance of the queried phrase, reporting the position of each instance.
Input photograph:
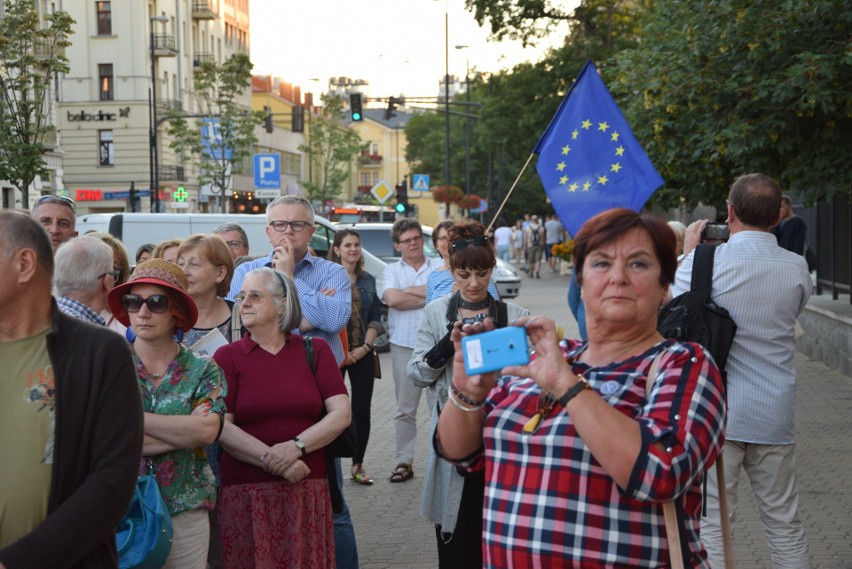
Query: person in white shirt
(403, 289)
(761, 386)
(555, 233)
(502, 240)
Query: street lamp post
(467, 125)
(153, 154)
(446, 97)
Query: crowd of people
(222, 374)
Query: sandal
(359, 476)
(402, 473)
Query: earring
(130, 334)
(179, 335)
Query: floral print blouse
(184, 477)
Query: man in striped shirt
(765, 288)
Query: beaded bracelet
(455, 402)
(464, 398)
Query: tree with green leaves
(718, 89)
(221, 135)
(332, 147)
(32, 52)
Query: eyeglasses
(234, 244)
(252, 296)
(411, 240)
(443, 238)
(116, 274)
(156, 303)
(281, 226)
(55, 198)
(465, 243)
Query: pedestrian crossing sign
(421, 182)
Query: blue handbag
(144, 536)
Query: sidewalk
(391, 534)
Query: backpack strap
(502, 319)
(702, 270)
(308, 343)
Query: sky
(397, 46)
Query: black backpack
(535, 235)
(694, 317)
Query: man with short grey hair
(765, 288)
(56, 213)
(235, 238)
(83, 276)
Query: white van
(135, 229)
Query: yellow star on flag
(574, 135)
(573, 188)
(619, 151)
(586, 186)
(563, 180)
(616, 167)
(614, 136)
(586, 124)
(560, 166)
(566, 149)
(602, 126)
(602, 180)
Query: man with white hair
(83, 275)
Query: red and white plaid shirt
(549, 503)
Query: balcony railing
(166, 105)
(370, 160)
(200, 58)
(171, 173)
(165, 45)
(205, 9)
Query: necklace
(484, 303)
(158, 376)
(546, 401)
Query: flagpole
(509, 193)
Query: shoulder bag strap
(309, 355)
(669, 512)
(236, 322)
(702, 270)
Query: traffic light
(298, 119)
(356, 107)
(267, 119)
(392, 103)
(134, 201)
(402, 198)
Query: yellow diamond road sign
(382, 191)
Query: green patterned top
(183, 475)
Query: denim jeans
(345, 548)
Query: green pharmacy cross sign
(180, 195)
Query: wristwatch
(578, 388)
(368, 347)
(300, 445)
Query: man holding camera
(403, 289)
(765, 288)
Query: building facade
(106, 101)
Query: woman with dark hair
(182, 395)
(286, 402)
(144, 252)
(453, 502)
(440, 282)
(584, 445)
(364, 326)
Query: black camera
(474, 319)
(715, 233)
(441, 353)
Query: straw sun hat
(163, 274)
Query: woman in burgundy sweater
(275, 507)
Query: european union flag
(589, 161)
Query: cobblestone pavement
(390, 533)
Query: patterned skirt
(272, 525)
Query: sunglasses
(54, 198)
(465, 243)
(156, 303)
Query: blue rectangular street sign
(267, 171)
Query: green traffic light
(400, 208)
(356, 116)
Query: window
(374, 148)
(104, 10)
(365, 179)
(105, 148)
(105, 82)
(292, 163)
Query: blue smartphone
(492, 351)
